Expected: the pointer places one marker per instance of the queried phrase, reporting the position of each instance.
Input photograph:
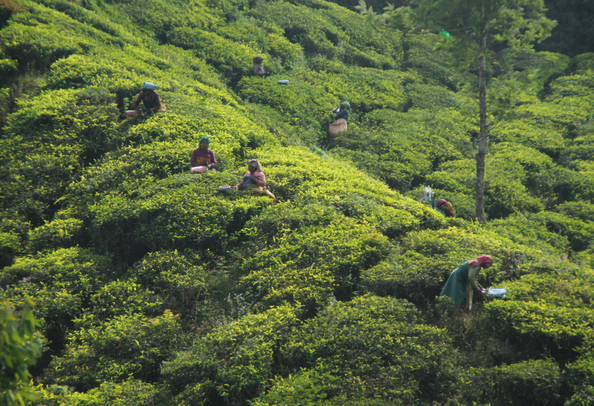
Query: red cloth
(483, 259)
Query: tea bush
(567, 285)
(376, 348)
(178, 280)
(116, 349)
(19, 349)
(515, 176)
(529, 230)
(123, 298)
(303, 104)
(40, 46)
(10, 244)
(579, 233)
(233, 363)
(60, 233)
(540, 327)
(193, 216)
(536, 382)
(435, 67)
(50, 140)
(75, 268)
(292, 270)
(131, 392)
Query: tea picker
(441, 205)
(340, 119)
(462, 281)
(203, 158)
(151, 101)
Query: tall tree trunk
(482, 147)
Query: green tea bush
(303, 176)
(116, 349)
(582, 146)
(124, 298)
(540, 327)
(39, 46)
(436, 68)
(48, 142)
(77, 269)
(234, 363)
(193, 217)
(303, 104)
(117, 35)
(542, 138)
(264, 36)
(368, 90)
(535, 382)
(303, 388)
(567, 286)
(401, 148)
(376, 348)
(580, 376)
(577, 87)
(530, 230)
(10, 244)
(291, 269)
(19, 348)
(178, 280)
(60, 233)
(579, 233)
(290, 217)
(90, 70)
(430, 97)
(564, 118)
(230, 58)
(323, 28)
(581, 210)
(131, 392)
(514, 175)
(301, 26)
(130, 169)
(541, 67)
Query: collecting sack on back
(336, 127)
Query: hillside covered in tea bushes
(152, 288)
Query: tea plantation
(127, 280)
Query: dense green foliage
(19, 347)
(154, 288)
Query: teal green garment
(455, 286)
(433, 201)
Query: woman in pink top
(255, 180)
(258, 68)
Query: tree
(18, 349)
(482, 29)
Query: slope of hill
(152, 288)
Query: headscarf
(440, 202)
(207, 139)
(258, 59)
(149, 86)
(251, 162)
(483, 259)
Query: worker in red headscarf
(443, 206)
(462, 280)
